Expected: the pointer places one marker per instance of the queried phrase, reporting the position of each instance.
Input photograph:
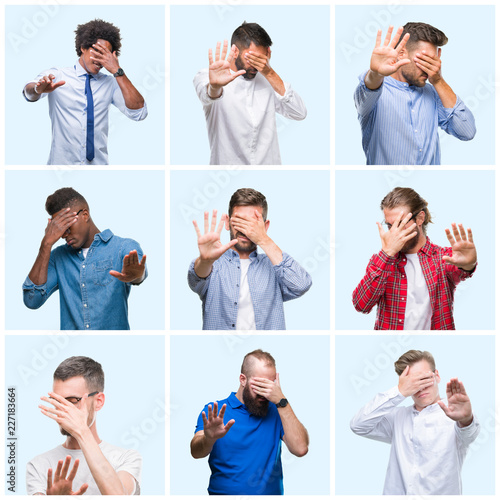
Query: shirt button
(236, 303)
(83, 266)
(237, 285)
(232, 326)
(80, 251)
(404, 276)
(403, 298)
(87, 326)
(416, 131)
(83, 284)
(84, 305)
(400, 320)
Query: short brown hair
(249, 360)
(421, 32)
(411, 357)
(248, 197)
(81, 366)
(407, 197)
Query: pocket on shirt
(100, 271)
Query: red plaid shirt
(385, 284)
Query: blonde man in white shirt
(99, 468)
(240, 112)
(429, 439)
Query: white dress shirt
(242, 123)
(427, 447)
(68, 114)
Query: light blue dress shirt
(68, 114)
(269, 286)
(399, 122)
(90, 298)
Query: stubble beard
(238, 62)
(254, 406)
(249, 247)
(411, 244)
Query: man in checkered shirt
(411, 280)
(241, 289)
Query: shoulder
(201, 76)
(119, 455)
(48, 457)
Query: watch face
(283, 403)
(120, 72)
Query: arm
(74, 419)
(44, 85)
(295, 435)
(213, 429)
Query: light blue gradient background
(130, 203)
(371, 358)
(204, 368)
(469, 70)
(52, 43)
(466, 197)
(298, 204)
(134, 369)
(300, 55)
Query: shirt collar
(428, 409)
(427, 248)
(233, 401)
(104, 236)
(235, 255)
(400, 85)
(80, 71)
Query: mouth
(423, 395)
(70, 242)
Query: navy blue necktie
(90, 119)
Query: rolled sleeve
(457, 121)
(35, 296)
(197, 284)
(134, 114)
(293, 279)
(200, 83)
(366, 99)
(290, 105)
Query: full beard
(250, 73)
(254, 406)
(411, 79)
(248, 247)
(411, 244)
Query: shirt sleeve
(197, 284)
(200, 83)
(366, 99)
(290, 105)
(119, 101)
(457, 121)
(466, 435)
(131, 462)
(371, 288)
(454, 274)
(47, 72)
(127, 247)
(35, 296)
(376, 419)
(293, 279)
(35, 482)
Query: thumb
(443, 407)
(402, 63)
(380, 229)
(278, 379)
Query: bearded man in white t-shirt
(242, 289)
(411, 280)
(98, 468)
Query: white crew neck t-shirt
(418, 311)
(246, 316)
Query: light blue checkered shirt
(269, 285)
(399, 122)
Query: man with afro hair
(80, 96)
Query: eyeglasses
(77, 213)
(74, 400)
(388, 226)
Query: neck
(239, 394)
(83, 65)
(93, 231)
(420, 408)
(72, 443)
(244, 255)
(399, 76)
(421, 242)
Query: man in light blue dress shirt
(399, 113)
(81, 93)
(241, 289)
(93, 295)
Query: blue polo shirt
(247, 460)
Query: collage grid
(324, 203)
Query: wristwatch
(283, 402)
(120, 72)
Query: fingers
(443, 407)
(469, 234)
(224, 50)
(229, 424)
(57, 474)
(229, 245)
(222, 411)
(204, 417)
(232, 54)
(214, 221)
(396, 38)
(455, 231)
(216, 409)
(210, 413)
(82, 490)
(205, 220)
(143, 261)
(221, 223)
(210, 57)
(64, 471)
(378, 40)
(197, 229)
(58, 84)
(117, 275)
(217, 52)
(388, 36)
(405, 39)
(49, 479)
(406, 370)
(74, 470)
(450, 238)
(133, 258)
(402, 62)
(380, 229)
(237, 74)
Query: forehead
(246, 210)
(390, 214)
(105, 43)
(430, 50)
(75, 386)
(421, 366)
(256, 48)
(262, 370)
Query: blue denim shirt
(90, 298)
(269, 285)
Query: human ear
(266, 224)
(99, 401)
(243, 380)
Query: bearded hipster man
(400, 115)
(240, 112)
(244, 438)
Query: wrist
(82, 435)
(389, 251)
(214, 91)
(465, 422)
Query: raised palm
(462, 245)
(384, 60)
(209, 244)
(459, 406)
(219, 70)
(213, 423)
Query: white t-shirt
(418, 311)
(85, 252)
(119, 458)
(246, 316)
